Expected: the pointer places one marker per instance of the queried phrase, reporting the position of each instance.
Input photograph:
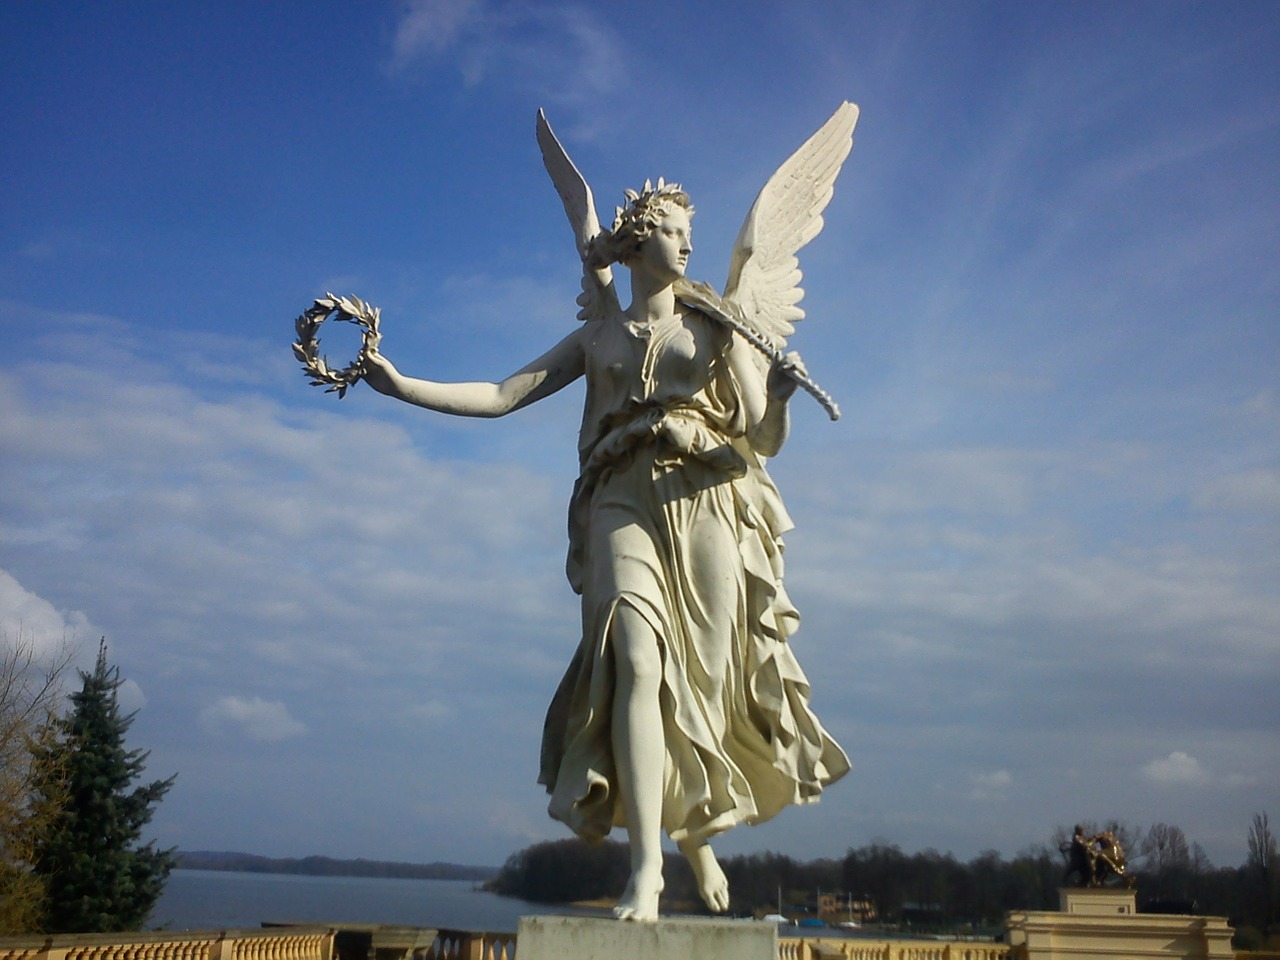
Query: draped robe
(674, 515)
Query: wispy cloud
(254, 717)
(429, 28)
(959, 596)
(1255, 490)
(563, 53)
(987, 786)
(1177, 768)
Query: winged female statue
(683, 708)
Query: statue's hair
(634, 223)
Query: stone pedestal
(1098, 901)
(1105, 923)
(675, 938)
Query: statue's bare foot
(713, 885)
(640, 900)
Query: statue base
(1104, 922)
(1098, 901)
(595, 938)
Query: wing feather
(764, 273)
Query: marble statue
(683, 708)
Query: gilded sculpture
(1094, 859)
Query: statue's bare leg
(713, 885)
(639, 754)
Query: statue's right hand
(379, 372)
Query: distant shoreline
(316, 866)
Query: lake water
(216, 900)
(220, 900)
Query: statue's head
(635, 223)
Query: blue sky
(1037, 558)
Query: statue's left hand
(781, 384)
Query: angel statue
(683, 708)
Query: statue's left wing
(599, 297)
(764, 274)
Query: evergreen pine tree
(98, 878)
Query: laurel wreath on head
(307, 347)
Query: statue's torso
(674, 358)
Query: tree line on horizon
(72, 858)
(928, 891)
(320, 866)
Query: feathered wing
(764, 274)
(599, 297)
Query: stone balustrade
(286, 943)
(273, 942)
(823, 948)
(379, 942)
(322, 942)
(469, 945)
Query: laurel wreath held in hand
(306, 348)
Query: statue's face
(665, 253)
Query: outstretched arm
(555, 369)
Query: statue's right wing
(599, 298)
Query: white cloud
(1249, 490)
(27, 617)
(429, 28)
(258, 719)
(987, 786)
(1177, 768)
(559, 53)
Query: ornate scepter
(703, 297)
